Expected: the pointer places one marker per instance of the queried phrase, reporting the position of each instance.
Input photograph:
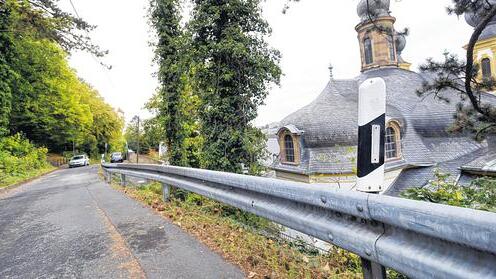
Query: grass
(225, 231)
(96, 161)
(11, 180)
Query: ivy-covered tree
(175, 104)
(235, 67)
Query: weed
(233, 234)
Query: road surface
(70, 224)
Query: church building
(318, 143)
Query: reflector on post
(371, 135)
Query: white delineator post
(370, 161)
(371, 135)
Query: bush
(18, 156)
(480, 194)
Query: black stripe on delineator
(364, 160)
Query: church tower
(485, 48)
(380, 44)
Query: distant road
(69, 224)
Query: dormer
(289, 138)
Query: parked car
(116, 157)
(79, 161)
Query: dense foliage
(175, 104)
(7, 76)
(214, 73)
(235, 67)
(19, 157)
(480, 194)
(41, 96)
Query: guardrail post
(166, 191)
(109, 177)
(123, 180)
(372, 270)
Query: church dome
(400, 42)
(376, 8)
(331, 120)
(474, 18)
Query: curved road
(70, 224)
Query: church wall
(486, 49)
(342, 181)
(292, 176)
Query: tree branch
(470, 62)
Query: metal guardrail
(418, 239)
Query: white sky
(313, 34)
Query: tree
(175, 104)
(45, 20)
(235, 67)
(46, 104)
(41, 96)
(134, 135)
(106, 126)
(473, 114)
(7, 55)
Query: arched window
(393, 143)
(289, 149)
(368, 52)
(486, 68)
(392, 51)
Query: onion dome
(400, 42)
(376, 8)
(474, 18)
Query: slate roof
(489, 32)
(420, 176)
(485, 164)
(330, 129)
(473, 19)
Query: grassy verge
(229, 233)
(11, 180)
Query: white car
(79, 161)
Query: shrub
(18, 156)
(480, 194)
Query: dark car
(116, 157)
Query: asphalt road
(69, 224)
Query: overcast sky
(313, 34)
